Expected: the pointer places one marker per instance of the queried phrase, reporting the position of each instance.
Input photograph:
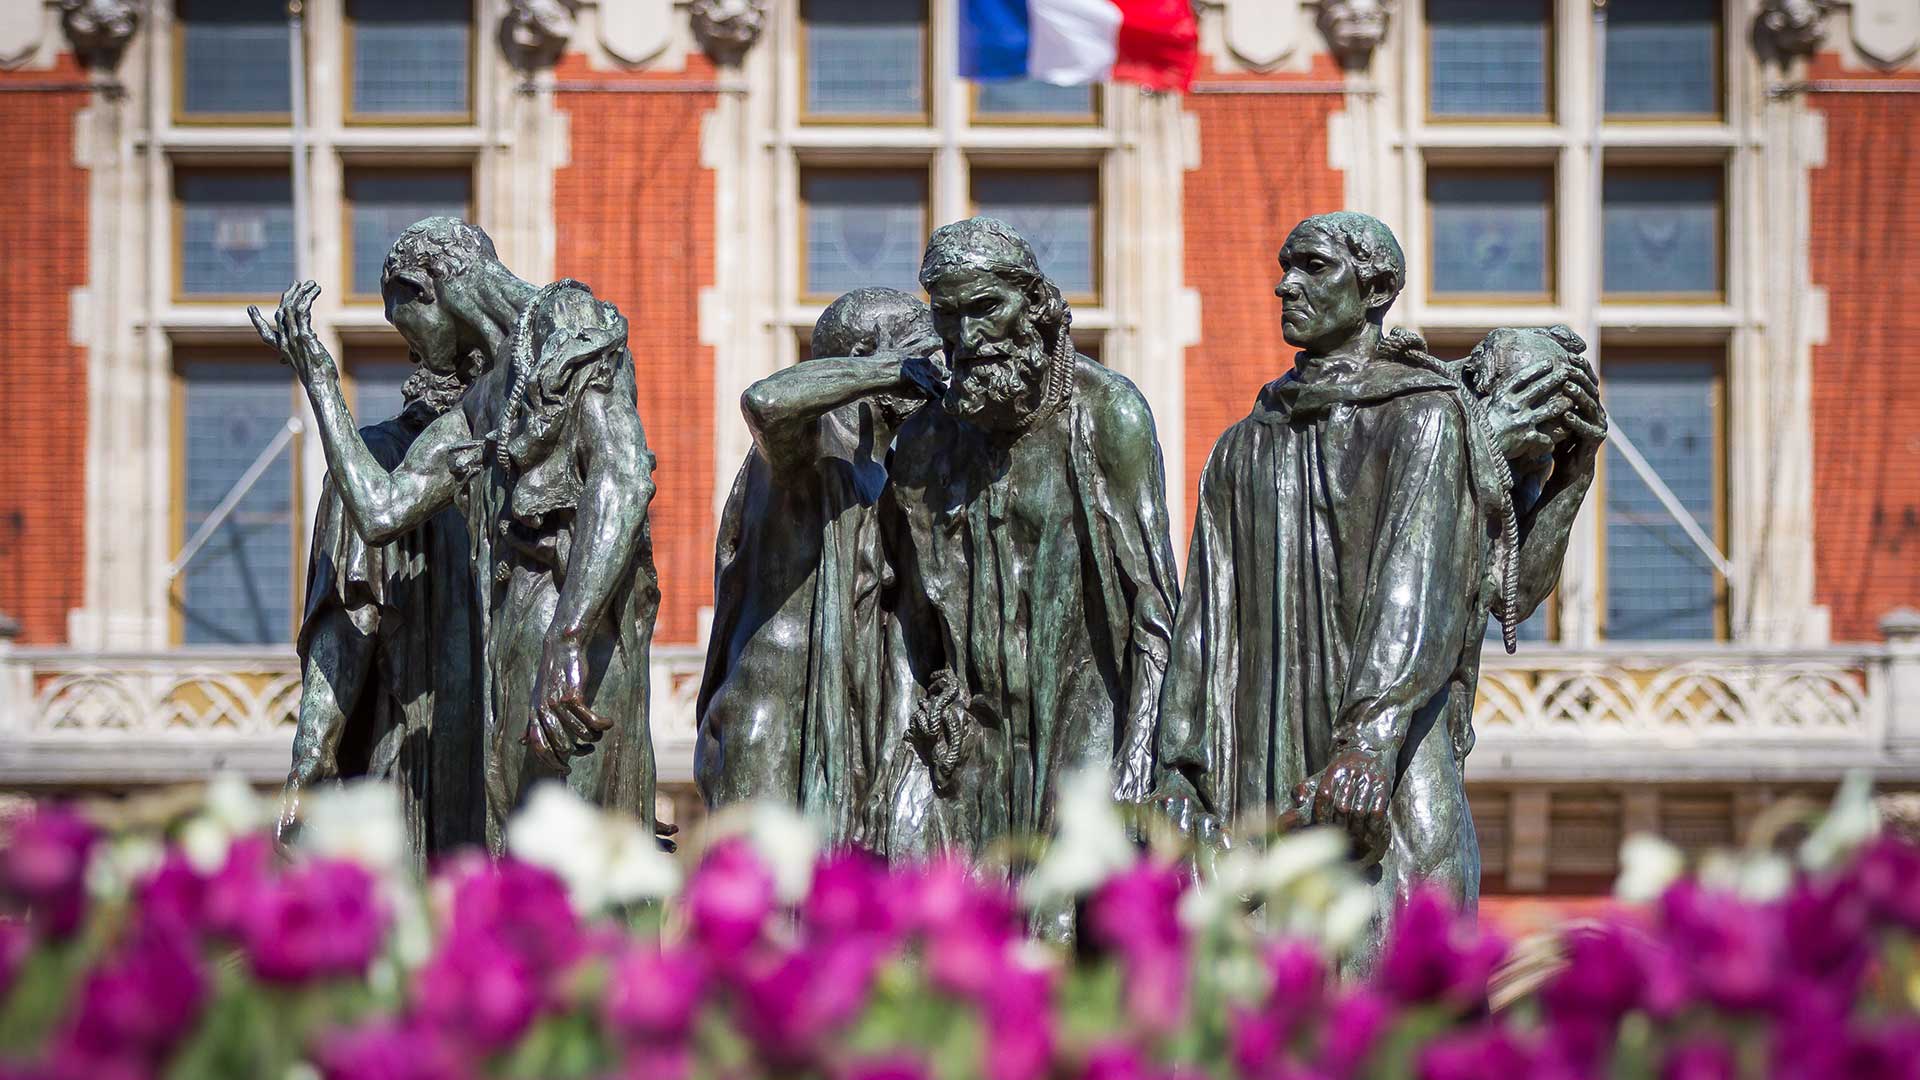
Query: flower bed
(207, 954)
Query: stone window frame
(1769, 544)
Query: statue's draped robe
(788, 705)
(416, 722)
(1056, 631)
(1335, 598)
(521, 517)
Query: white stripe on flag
(1071, 41)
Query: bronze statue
(547, 460)
(1352, 535)
(789, 708)
(1026, 523)
(388, 642)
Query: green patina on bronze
(1352, 535)
(546, 460)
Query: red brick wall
(43, 376)
(633, 213)
(1263, 167)
(1866, 384)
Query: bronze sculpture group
(944, 577)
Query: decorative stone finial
(1794, 27)
(99, 29)
(727, 28)
(535, 32)
(1353, 28)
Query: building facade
(1716, 194)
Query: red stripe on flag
(1159, 43)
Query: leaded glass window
(1488, 58)
(1659, 586)
(1057, 211)
(236, 233)
(863, 227)
(234, 60)
(238, 589)
(1662, 231)
(1492, 233)
(864, 58)
(1663, 58)
(1012, 100)
(383, 202)
(410, 58)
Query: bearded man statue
(1026, 523)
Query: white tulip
(230, 809)
(1648, 865)
(605, 858)
(1851, 821)
(1091, 846)
(788, 843)
(360, 820)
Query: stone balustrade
(1665, 713)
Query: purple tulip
(727, 902)
(946, 897)
(480, 988)
(654, 994)
(1019, 1016)
(521, 907)
(45, 865)
(1826, 923)
(321, 920)
(1355, 1022)
(1298, 976)
(1480, 1053)
(390, 1050)
(236, 889)
(1118, 1061)
(849, 896)
(16, 943)
(134, 1007)
(1732, 949)
(1434, 956)
(1156, 987)
(173, 896)
(667, 1061)
(896, 1067)
(1256, 1040)
(1888, 872)
(1700, 1058)
(1139, 909)
(791, 1004)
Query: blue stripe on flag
(993, 39)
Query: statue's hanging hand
(1352, 793)
(562, 725)
(291, 335)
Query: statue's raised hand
(291, 335)
(562, 725)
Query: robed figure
(1026, 521)
(1352, 535)
(790, 703)
(388, 652)
(546, 460)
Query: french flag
(1070, 42)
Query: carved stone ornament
(728, 28)
(1886, 31)
(1354, 27)
(1794, 27)
(99, 29)
(535, 32)
(1261, 32)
